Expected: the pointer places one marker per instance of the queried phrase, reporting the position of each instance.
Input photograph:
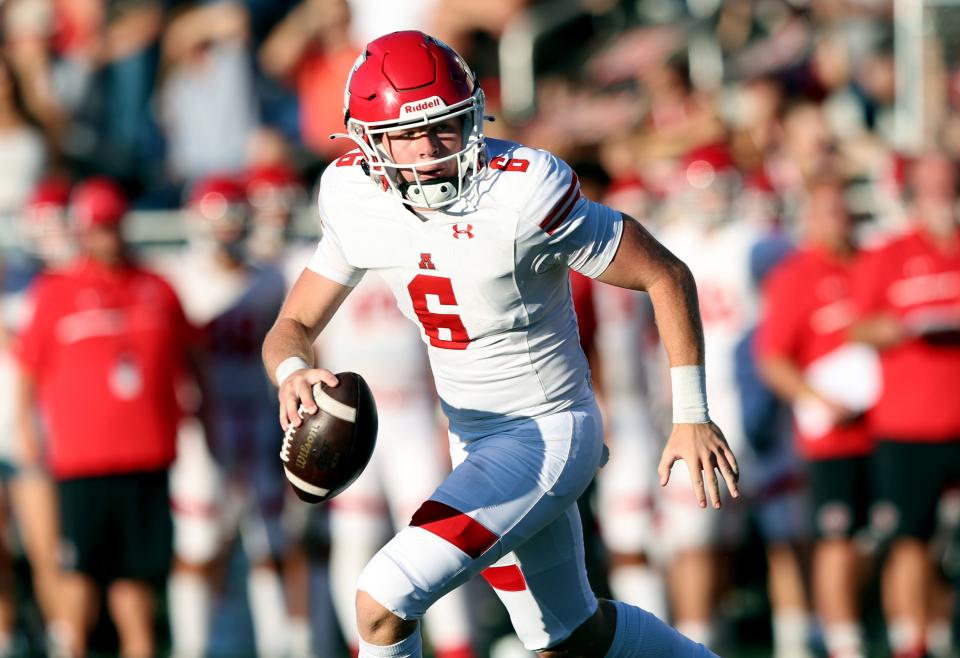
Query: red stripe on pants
(505, 579)
(454, 527)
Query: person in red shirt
(908, 297)
(101, 357)
(807, 312)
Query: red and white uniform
(807, 312)
(486, 281)
(498, 346)
(126, 331)
(918, 283)
(369, 335)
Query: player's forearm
(288, 338)
(27, 441)
(675, 305)
(643, 263)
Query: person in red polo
(908, 297)
(100, 357)
(807, 311)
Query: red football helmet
(409, 79)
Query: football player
(233, 302)
(475, 238)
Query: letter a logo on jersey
(463, 231)
(426, 263)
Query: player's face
(424, 144)
(102, 243)
(828, 222)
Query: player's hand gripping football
(297, 390)
(704, 449)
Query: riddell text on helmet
(422, 106)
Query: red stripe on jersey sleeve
(560, 210)
(454, 527)
(564, 214)
(505, 579)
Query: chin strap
(432, 192)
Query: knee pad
(415, 569)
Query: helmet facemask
(432, 193)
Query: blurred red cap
(715, 154)
(97, 202)
(53, 192)
(703, 165)
(229, 189)
(272, 184)
(273, 175)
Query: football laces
(288, 436)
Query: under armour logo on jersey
(461, 230)
(426, 263)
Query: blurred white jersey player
(628, 492)
(619, 335)
(475, 239)
(236, 487)
(718, 247)
(369, 335)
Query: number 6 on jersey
(454, 334)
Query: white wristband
(689, 394)
(289, 366)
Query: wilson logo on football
(422, 106)
(463, 231)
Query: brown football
(331, 448)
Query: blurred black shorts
(117, 527)
(909, 478)
(839, 496)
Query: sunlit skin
(826, 221)
(424, 144)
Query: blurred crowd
(763, 141)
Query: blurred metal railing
(158, 230)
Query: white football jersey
(369, 335)
(624, 341)
(485, 280)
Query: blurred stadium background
(765, 93)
